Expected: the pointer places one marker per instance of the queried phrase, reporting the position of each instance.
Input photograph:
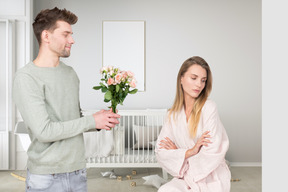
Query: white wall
(227, 33)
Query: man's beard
(65, 54)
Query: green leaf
(106, 101)
(117, 88)
(97, 87)
(122, 100)
(102, 84)
(104, 89)
(108, 95)
(133, 91)
(111, 88)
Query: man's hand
(106, 119)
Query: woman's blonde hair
(179, 101)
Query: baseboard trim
(245, 164)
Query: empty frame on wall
(124, 47)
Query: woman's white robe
(206, 171)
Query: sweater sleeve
(29, 98)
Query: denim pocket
(83, 174)
(39, 182)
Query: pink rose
(110, 68)
(130, 74)
(132, 83)
(104, 69)
(124, 75)
(110, 81)
(118, 78)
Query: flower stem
(114, 109)
(113, 105)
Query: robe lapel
(181, 131)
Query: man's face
(60, 40)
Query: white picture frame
(124, 47)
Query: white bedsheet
(98, 143)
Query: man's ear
(45, 36)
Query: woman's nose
(198, 83)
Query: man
(46, 93)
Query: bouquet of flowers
(116, 85)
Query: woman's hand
(167, 144)
(202, 141)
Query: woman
(193, 142)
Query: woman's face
(194, 81)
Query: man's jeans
(75, 181)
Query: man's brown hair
(46, 20)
